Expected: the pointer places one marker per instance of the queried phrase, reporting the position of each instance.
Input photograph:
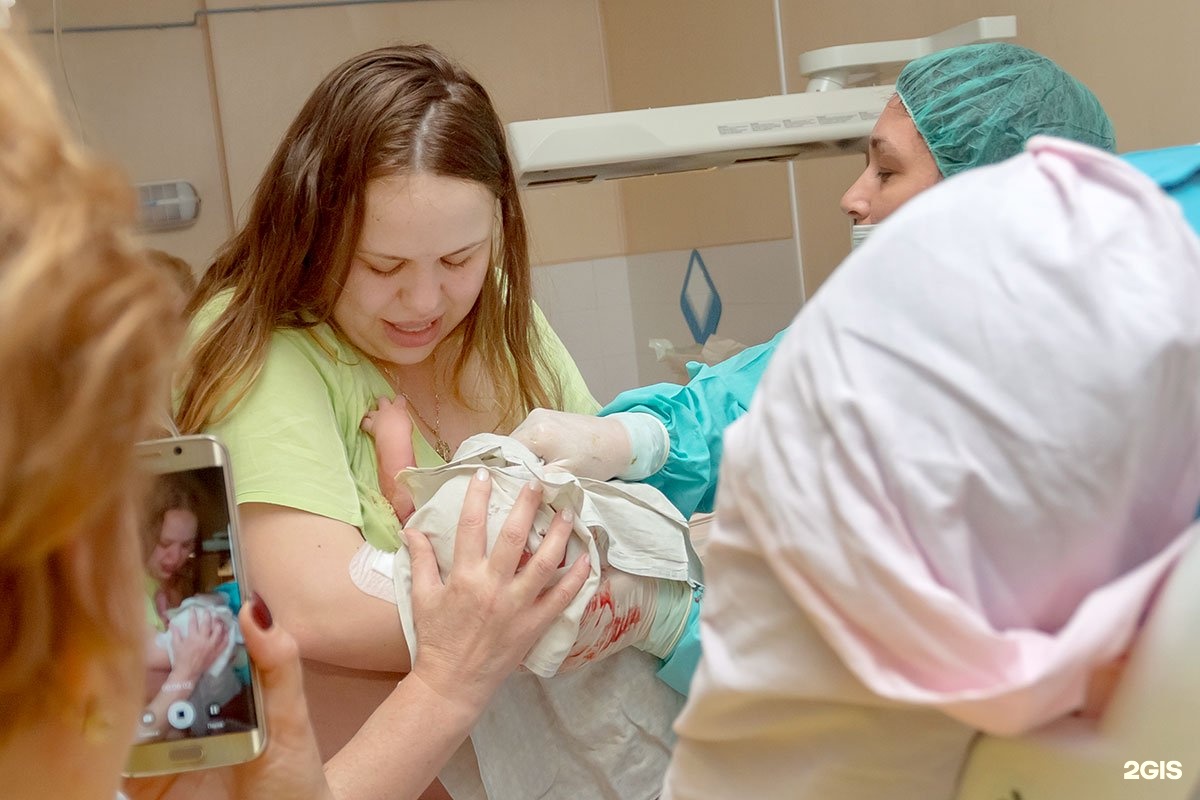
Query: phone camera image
(198, 678)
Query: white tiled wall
(759, 286)
(587, 303)
(607, 311)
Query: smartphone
(203, 707)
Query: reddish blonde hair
(89, 332)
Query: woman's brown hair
(391, 111)
(90, 329)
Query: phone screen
(199, 681)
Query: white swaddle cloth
(218, 684)
(180, 618)
(602, 731)
(631, 526)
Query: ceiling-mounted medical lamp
(831, 118)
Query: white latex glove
(630, 446)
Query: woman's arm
(302, 562)
(472, 631)
(195, 652)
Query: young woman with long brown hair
(384, 254)
(90, 339)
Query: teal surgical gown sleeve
(696, 416)
(1177, 171)
(680, 664)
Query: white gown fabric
(631, 526)
(970, 463)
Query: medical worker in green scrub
(953, 111)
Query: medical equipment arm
(832, 117)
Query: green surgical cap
(979, 104)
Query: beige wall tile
(87, 13)
(145, 95)
(268, 63)
(674, 52)
(588, 305)
(758, 284)
(143, 98)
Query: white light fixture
(624, 144)
(828, 119)
(843, 65)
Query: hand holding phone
(206, 711)
(290, 769)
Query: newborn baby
(621, 608)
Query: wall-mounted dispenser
(163, 205)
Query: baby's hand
(392, 429)
(385, 413)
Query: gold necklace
(440, 445)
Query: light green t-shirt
(150, 592)
(295, 440)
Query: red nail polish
(259, 612)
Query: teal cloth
(233, 594)
(1177, 171)
(696, 416)
(979, 104)
(679, 667)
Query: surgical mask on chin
(859, 233)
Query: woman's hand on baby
(475, 628)
(198, 648)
